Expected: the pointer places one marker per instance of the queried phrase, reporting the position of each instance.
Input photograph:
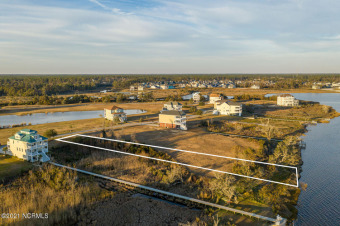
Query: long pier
(278, 221)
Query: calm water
(320, 203)
(41, 118)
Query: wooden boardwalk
(170, 194)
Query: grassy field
(11, 166)
(151, 107)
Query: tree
(222, 187)
(51, 133)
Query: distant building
(173, 119)
(225, 107)
(164, 87)
(316, 87)
(140, 88)
(231, 86)
(287, 100)
(196, 97)
(133, 88)
(215, 97)
(115, 112)
(255, 86)
(169, 106)
(27, 144)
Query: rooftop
(113, 107)
(179, 113)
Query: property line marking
(167, 193)
(192, 152)
(178, 163)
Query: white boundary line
(192, 152)
(178, 163)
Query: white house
(27, 144)
(231, 86)
(224, 107)
(196, 97)
(140, 88)
(133, 88)
(169, 106)
(215, 97)
(255, 86)
(164, 87)
(287, 100)
(115, 112)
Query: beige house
(169, 106)
(27, 144)
(225, 107)
(115, 112)
(214, 97)
(287, 100)
(173, 119)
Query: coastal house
(133, 88)
(231, 86)
(316, 86)
(224, 107)
(215, 97)
(164, 86)
(196, 97)
(169, 106)
(287, 100)
(27, 144)
(114, 113)
(255, 86)
(173, 119)
(140, 88)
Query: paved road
(111, 127)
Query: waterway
(42, 118)
(320, 203)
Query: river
(320, 203)
(42, 118)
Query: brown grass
(194, 140)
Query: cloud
(167, 36)
(99, 4)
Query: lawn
(12, 166)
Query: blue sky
(179, 36)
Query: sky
(177, 36)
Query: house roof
(28, 131)
(172, 112)
(215, 95)
(232, 103)
(286, 95)
(173, 103)
(113, 107)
